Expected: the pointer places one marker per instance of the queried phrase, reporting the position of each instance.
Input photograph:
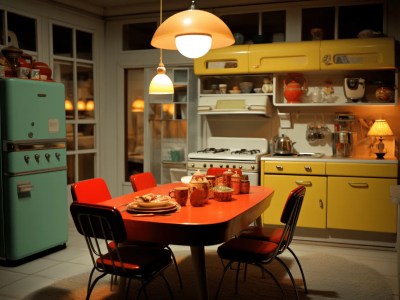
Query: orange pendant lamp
(193, 33)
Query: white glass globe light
(193, 45)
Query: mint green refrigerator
(33, 202)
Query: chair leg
(290, 275)
(171, 295)
(90, 288)
(222, 279)
(273, 277)
(301, 269)
(176, 267)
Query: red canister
(227, 175)
(235, 183)
(244, 186)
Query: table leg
(199, 263)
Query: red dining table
(197, 227)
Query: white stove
(227, 152)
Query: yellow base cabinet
(359, 197)
(284, 177)
(313, 210)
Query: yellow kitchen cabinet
(294, 167)
(284, 57)
(357, 203)
(228, 60)
(358, 54)
(313, 211)
(359, 197)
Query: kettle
(294, 90)
(283, 145)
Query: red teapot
(294, 90)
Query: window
(73, 66)
(134, 121)
(137, 36)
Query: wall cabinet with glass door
(172, 126)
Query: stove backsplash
(299, 122)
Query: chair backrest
(100, 225)
(142, 181)
(90, 191)
(290, 215)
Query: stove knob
(58, 156)
(192, 165)
(234, 167)
(37, 157)
(26, 158)
(253, 167)
(221, 166)
(240, 167)
(204, 165)
(227, 166)
(211, 165)
(47, 155)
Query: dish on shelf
(234, 91)
(208, 91)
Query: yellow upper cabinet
(358, 54)
(347, 54)
(228, 60)
(284, 57)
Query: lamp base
(380, 155)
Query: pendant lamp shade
(190, 30)
(161, 83)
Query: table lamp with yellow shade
(380, 129)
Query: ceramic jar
(384, 93)
(198, 189)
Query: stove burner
(213, 150)
(245, 151)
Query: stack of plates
(156, 206)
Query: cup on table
(223, 88)
(180, 194)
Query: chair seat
(138, 261)
(247, 250)
(262, 233)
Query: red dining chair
(259, 252)
(274, 234)
(95, 190)
(142, 181)
(92, 191)
(102, 226)
(146, 180)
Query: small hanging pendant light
(161, 83)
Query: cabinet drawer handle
(256, 66)
(279, 167)
(359, 184)
(304, 182)
(308, 168)
(321, 204)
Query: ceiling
(113, 8)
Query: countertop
(329, 158)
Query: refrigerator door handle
(24, 187)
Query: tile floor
(17, 282)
